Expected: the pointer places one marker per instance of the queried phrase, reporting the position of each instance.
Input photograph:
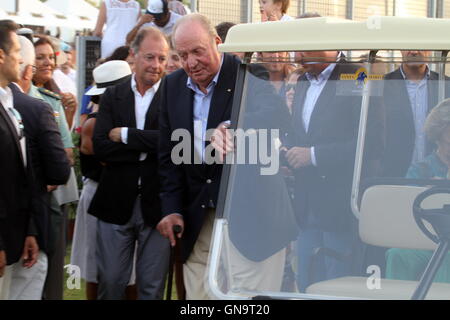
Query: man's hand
(115, 135)
(68, 101)
(2, 262)
(145, 18)
(30, 252)
(298, 157)
(222, 141)
(165, 227)
(51, 188)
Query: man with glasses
(17, 233)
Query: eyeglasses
(18, 117)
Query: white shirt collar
(6, 97)
(323, 76)
(153, 89)
(5, 91)
(193, 86)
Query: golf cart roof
(315, 34)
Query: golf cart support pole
(441, 93)
(361, 137)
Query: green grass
(80, 294)
(74, 294)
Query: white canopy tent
(3, 14)
(34, 12)
(37, 13)
(78, 9)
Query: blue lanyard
(18, 117)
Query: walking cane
(176, 231)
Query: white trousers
(5, 283)
(28, 284)
(243, 274)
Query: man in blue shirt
(410, 92)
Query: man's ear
(28, 73)
(217, 40)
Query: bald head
(194, 19)
(27, 53)
(196, 40)
(26, 68)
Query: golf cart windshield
(338, 155)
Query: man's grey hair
(437, 121)
(200, 19)
(144, 33)
(27, 52)
(309, 15)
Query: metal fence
(242, 11)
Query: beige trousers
(28, 284)
(5, 283)
(244, 274)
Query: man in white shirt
(157, 15)
(326, 124)
(127, 199)
(17, 237)
(50, 166)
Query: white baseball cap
(157, 7)
(108, 74)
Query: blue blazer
(323, 191)
(189, 188)
(48, 160)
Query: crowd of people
(161, 72)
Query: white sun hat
(108, 74)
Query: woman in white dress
(120, 17)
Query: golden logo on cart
(361, 77)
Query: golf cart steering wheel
(420, 214)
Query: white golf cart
(397, 215)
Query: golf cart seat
(390, 289)
(386, 220)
